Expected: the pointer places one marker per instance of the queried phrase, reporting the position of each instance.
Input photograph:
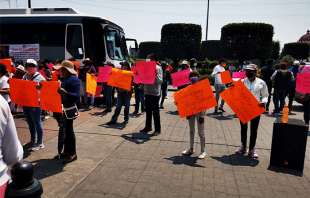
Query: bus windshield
(115, 44)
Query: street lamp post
(207, 26)
(29, 3)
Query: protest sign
(99, 91)
(50, 99)
(91, 84)
(303, 83)
(180, 78)
(240, 75)
(226, 77)
(103, 74)
(120, 79)
(145, 72)
(55, 75)
(242, 102)
(7, 62)
(194, 98)
(24, 92)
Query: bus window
(74, 44)
(113, 43)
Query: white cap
(31, 62)
(20, 67)
(296, 62)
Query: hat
(296, 62)
(184, 62)
(68, 65)
(87, 60)
(20, 67)
(252, 67)
(31, 63)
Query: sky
(143, 19)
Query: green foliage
(296, 50)
(180, 40)
(275, 50)
(245, 41)
(149, 47)
(211, 49)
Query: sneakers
(252, 154)
(112, 122)
(202, 155)
(188, 152)
(241, 150)
(38, 147)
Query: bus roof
(47, 13)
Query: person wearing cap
(123, 99)
(218, 85)
(33, 114)
(259, 89)
(283, 80)
(4, 85)
(70, 96)
(152, 97)
(20, 72)
(89, 68)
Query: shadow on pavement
(298, 108)
(172, 112)
(47, 167)
(119, 126)
(285, 171)
(220, 116)
(237, 160)
(138, 138)
(186, 160)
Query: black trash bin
(23, 185)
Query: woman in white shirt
(259, 89)
(11, 151)
(4, 85)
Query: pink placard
(303, 83)
(145, 72)
(103, 74)
(240, 75)
(180, 78)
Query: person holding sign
(123, 99)
(199, 117)
(152, 96)
(218, 85)
(70, 96)
(33, 114)
(259, 89)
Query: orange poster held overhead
(195, 98)
(242, 102)
(226, 77)
(120, 79)
(91, 84)
(24, 92)
(7, 62)
(50, 98)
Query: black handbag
(71, 113)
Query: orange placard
(242, 102)
(120, 79)
(194, 98)
(55, 75)
(91, 84)
(50, 98)
(226, 77)
(7, 62)
(24, 92)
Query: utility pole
(207, 26)
(29, 3)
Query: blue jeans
(139, 98)
(123, 99)
(33, 117)
(107, 92)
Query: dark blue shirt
(72, 85)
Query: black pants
(244, 129)
(164, 87)
(61, 132)
(279, 100)
(69, 142)
(306, 106)
(291, 96)
(152, 109)
(269, 97)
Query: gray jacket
(155, 88)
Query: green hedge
(245, 41)
(211, 49)
(180, 41)
(296, 50)
(149, 47)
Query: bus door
(74, 42)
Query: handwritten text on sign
(194, 99)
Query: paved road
(120, 162)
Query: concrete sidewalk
(120, 162)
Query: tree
(149, 47)
(296, 50)
(211, 49)
(181, 41)
(275, 50)
(245, 41)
